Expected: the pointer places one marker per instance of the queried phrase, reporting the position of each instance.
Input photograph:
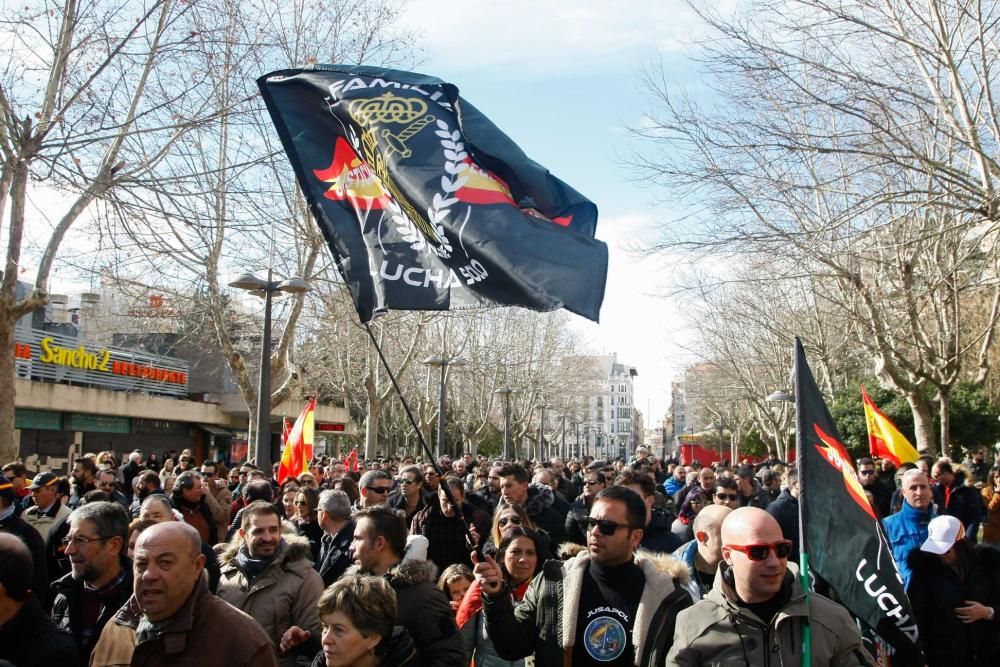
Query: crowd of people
(158, 560)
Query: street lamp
(444, 363)
(266, 289)
(506, 391)
(542, 407)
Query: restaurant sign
(43, 355)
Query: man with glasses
(490, 492)
(954, 498)
(218, 497)
(107, 483)
(409, 497)
(597, 608)
(656, 534)
(726, 493)
(579, 511)
(737, 622)
(375, 487)
(881, 495)
(536, 499)
(100, 578)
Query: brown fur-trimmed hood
(295, 547)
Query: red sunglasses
(782, 549)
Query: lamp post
(266, 289)
(506, 391)
(444, 363)
(541, 429)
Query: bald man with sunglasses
(754, 613)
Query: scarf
(252, 567)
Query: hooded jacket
(657, 536)
(67, 606)
(205, 631)
(719, 631)
(426, 613)
(283, 595)
(935, 590)
(544, 624)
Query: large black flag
(425, 204)
(841, 534)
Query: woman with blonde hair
(513, 515)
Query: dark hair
(259, 489)
(416, 470)
(455, 482)
(696, 493)
(744, 471)
(512, 534)
(87, 463)
(95, 496)
(519, 474)
(149, 476)
(635, 507)
(258, 508)
(16, 568)
(599, 474)
(640, 479)
(928, 459)
(312, 497)
(727, 483)
(109, 519)
(19, 469)
(907, 465)
(866, 461)
(386, 523)
(349, 486)
(944, 466)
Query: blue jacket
(685, 554)
(672, 486)
(906, 530)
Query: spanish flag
(298, 444)
(884, 439)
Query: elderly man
(338, 531)
(190, 498)
(906, 530)
(598, 607)
(375, 487)
(172, 618)
(100, 578)
(703, 554)
(738, 621)
(271, 577)
(48, 509)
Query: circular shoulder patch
(604, 638)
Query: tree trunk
(372, 418)
(944, 411)
(8, 445)
(923, 424)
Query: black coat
(657, 536)
(785, 511)
(335, 554)
(964, 502)
(31, 639)
(935, 591)
(36, 545)
(67, 607)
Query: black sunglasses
(727, 496)
(606, 527)
(504, 520)
(381, 490)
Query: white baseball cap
(942, 533)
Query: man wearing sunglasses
(608, 605)
(375, 487)
(754, 613)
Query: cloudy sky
(562, 79)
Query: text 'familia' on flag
(425, 204)
(841, 535)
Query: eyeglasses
(593, 482)
(504, 520)
(407, 481)
(755, 552)
(110, 483)
(606, 527)
(380, 490)
(726, 496)
(866, 473)
(301, 502)
(80, 542)
(207, 474)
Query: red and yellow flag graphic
(884, 439)
(298, 444)
(351, 461)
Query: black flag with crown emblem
(425, 203)
(841, 533)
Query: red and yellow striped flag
(299, 444)
(884, 439)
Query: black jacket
(31, 639)
(335, 554)
(576, 521)
(36, 545)
(935, 591)
(67, 607)
(399, 651)
(963, 502)
(446, 537)
(657, 536)
(539, 509)
(785, 510)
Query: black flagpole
(423, 444)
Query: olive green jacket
(717, 631)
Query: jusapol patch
(605, 639)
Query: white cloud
(560, 35)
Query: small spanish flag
(298, 444)
(884, 439)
